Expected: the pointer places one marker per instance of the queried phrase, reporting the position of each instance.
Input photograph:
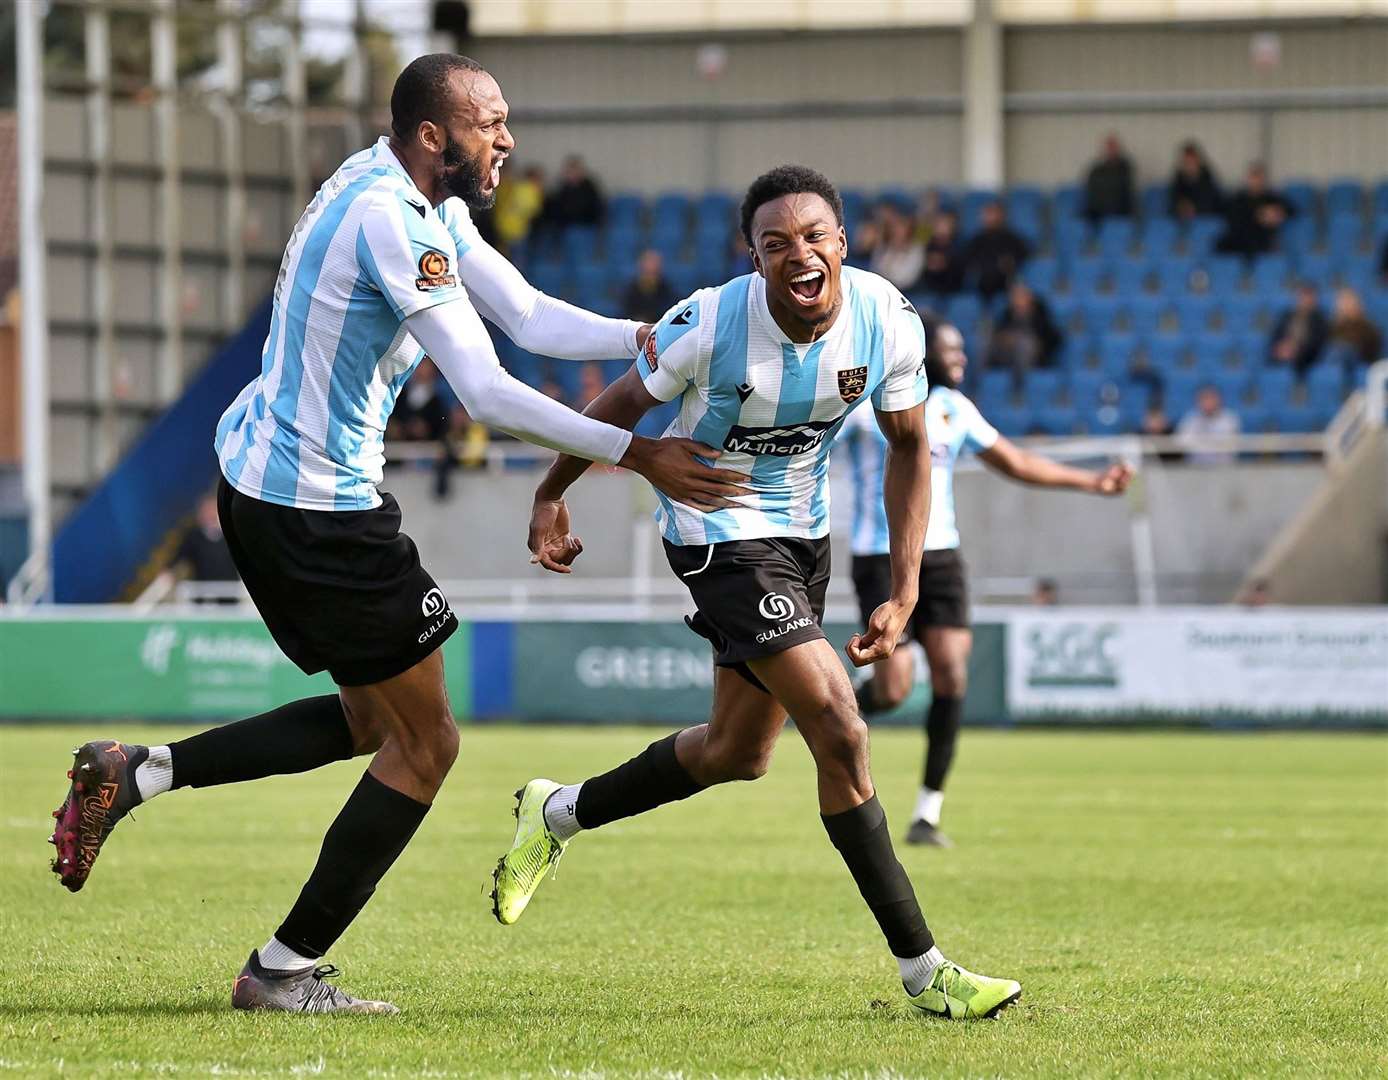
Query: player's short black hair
(421, 90)
(788, 180)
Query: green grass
(1178, 904)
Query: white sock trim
(917, 971)
(928, 805)
(154, 775)
(560, 815)
(277, 956)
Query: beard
(463, 178)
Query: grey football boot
(297, 991)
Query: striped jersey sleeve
(978, 433)
(904, 385)
(407, 254)
(669, 362)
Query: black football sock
(942, 733)
(652, 778)
(294, 738)
(861, 836)
(365, 839)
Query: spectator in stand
(649, 296)
(1300, 333)
(898, 256)
(1254, 217)
(202, 554)
(576, 200)
(590, 383)
(1194, 191)
(1155, 422)
(427, 411)
(1354, 339)
(1025, 336)
(1258, 594)
(1108, 189)
(1208, 420)
(1045, 593)
(518, 204)
(944, 264)
(1383, 263)
(995, 252)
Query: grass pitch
(1178, 904)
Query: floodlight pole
(33, 327)
(164, 49)
(983, 98)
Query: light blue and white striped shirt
(774, 406)
(368, 251)
(953, 424)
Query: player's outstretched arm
(1022, 465)
(623, 404)
(906, 493)
(536, 322)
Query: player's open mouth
(807, 285)
(494, 177)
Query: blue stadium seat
(1025, 200)
(1068, 202)
(1057, 419)
(1091, 388)
(670, 211)
(1233, 386)
(1106, 419)
(1067, 311)
(1298, 417)
(1029, 226)
(1251, 347)
(1224, 274)
(1070, 238)
(1242, 312)
(1087, 276)
(903, 200)
(1159, 236)
(1043, 385)
(1193, 312)
(579, 242)
(1011, 419)
(1211, 349)
(971, 208)
(1359, 272)
(1270, 275)
(1325, 386)
(715, 208)
(855, 208)
(964, 310)
(1117, 351)
(1178, 391)
(1298, 236)
(1344, 196)
(622, 246)
(1201, 235)
(1167, 350)
(1100, 312)
(1041, 274)
(1115, 238)
(1145, 314)
(1302, 194)
(1275, 385)
(1173, 274)
(668, 238)
(685, 276)
(1346, 236)
(1380, 203)
(1154, 202)
(1075, 350)
(995, 384)
(624, 210)
(549, 277)
(1130, 277)
(1317, 269)
(713, 268)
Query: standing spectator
(518, 204)
(425, 412)
(576, 200)
(995, 252)
(944, 264)
(1194, 191)
(1300, 333)
(649, 296)
(203, 554)
(1354, 339)
(1108, 189)
(1208, 420)
(898, 256)
(1026, 336)
(1254, 217)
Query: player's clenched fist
(550, 542)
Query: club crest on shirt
(852, 383)
(652, 352)
(433, 272)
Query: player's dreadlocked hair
(787, 180)
(935, 372)
(421, 91)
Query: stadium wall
(1193, 666)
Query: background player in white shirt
(767, 367)
(941, 619)
(383, 264)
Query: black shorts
(341, 591)
(755, 597)
(944, 588)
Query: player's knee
(951, 680)
(431, 746)
(840, 739)
(725, 761)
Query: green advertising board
(164, 668)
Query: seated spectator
(427, 411)
(995, 252)
(898, 256)
(203, 554)
(1254, 216)
(518, 204)
(576, 201)
(649, 296)
(1155, 422)
(1257, 594)
(944, 265)
(1193, 191)
(1208, 420)
(1300, 333)
(1025, 336)
(1108, 189)
(1045, 593)
(1354, 339)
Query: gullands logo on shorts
(777, 608)
(432, 604)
